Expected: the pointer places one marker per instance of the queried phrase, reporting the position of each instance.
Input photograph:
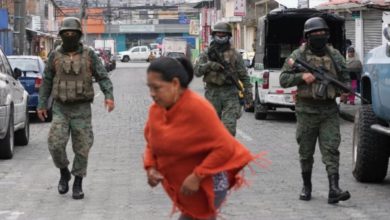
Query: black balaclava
(221, 43)
(70, 43)
(317, 43)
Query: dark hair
(171, 68)
(348, 42)
(351, 50)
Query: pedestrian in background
(188, 148)
(42, 53)
(151, 57)
(355, 68)
(221, 90)
(68, 78)
(317, 117)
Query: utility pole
(83, 15)
(19, 27)
(109, 16)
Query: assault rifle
(214, 56)
(324, 78)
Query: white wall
(359, 36)
(386, 23)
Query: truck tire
(22, 136)
(7, 143)
(259, 109)
(126, 59)
(370, 157)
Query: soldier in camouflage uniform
(220, 89)
(317, 118)
(68, 78)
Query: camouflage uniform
(220, 91)
(317, 118)
(69, 80)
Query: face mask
(221, 40)
(70, 43)
(317, 43)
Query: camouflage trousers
(71, 120)
(323, 125)
(226, 102)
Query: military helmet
(314, 24)
(71, 24)
(222, 27)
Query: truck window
(135, 49)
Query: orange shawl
(189, 138)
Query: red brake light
(38, 82)
(266, 80)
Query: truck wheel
(126, 59)
(259, 109)
(7, 143)
(369, 153)
(22, 136)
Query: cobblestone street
(116, 185)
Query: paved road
(116, 185)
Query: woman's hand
(191, 184)
(154, 177)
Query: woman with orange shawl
(188, 148)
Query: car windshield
(25, 64)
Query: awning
(40, 33)
(204, 3)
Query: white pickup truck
(279, 33)
(134, 53)
(268, 93)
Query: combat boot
(306, 189)
(77, 188)
(63, 186)
(335, 193)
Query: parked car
(371, 133)
(14, 117)
(279, 33)
(134, 53)
(32, 68)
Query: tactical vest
(309, 91)
(219, 77)
(73, 77)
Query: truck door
(134, 53)
(144, 53)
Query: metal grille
(372, 29)
(349, 27)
